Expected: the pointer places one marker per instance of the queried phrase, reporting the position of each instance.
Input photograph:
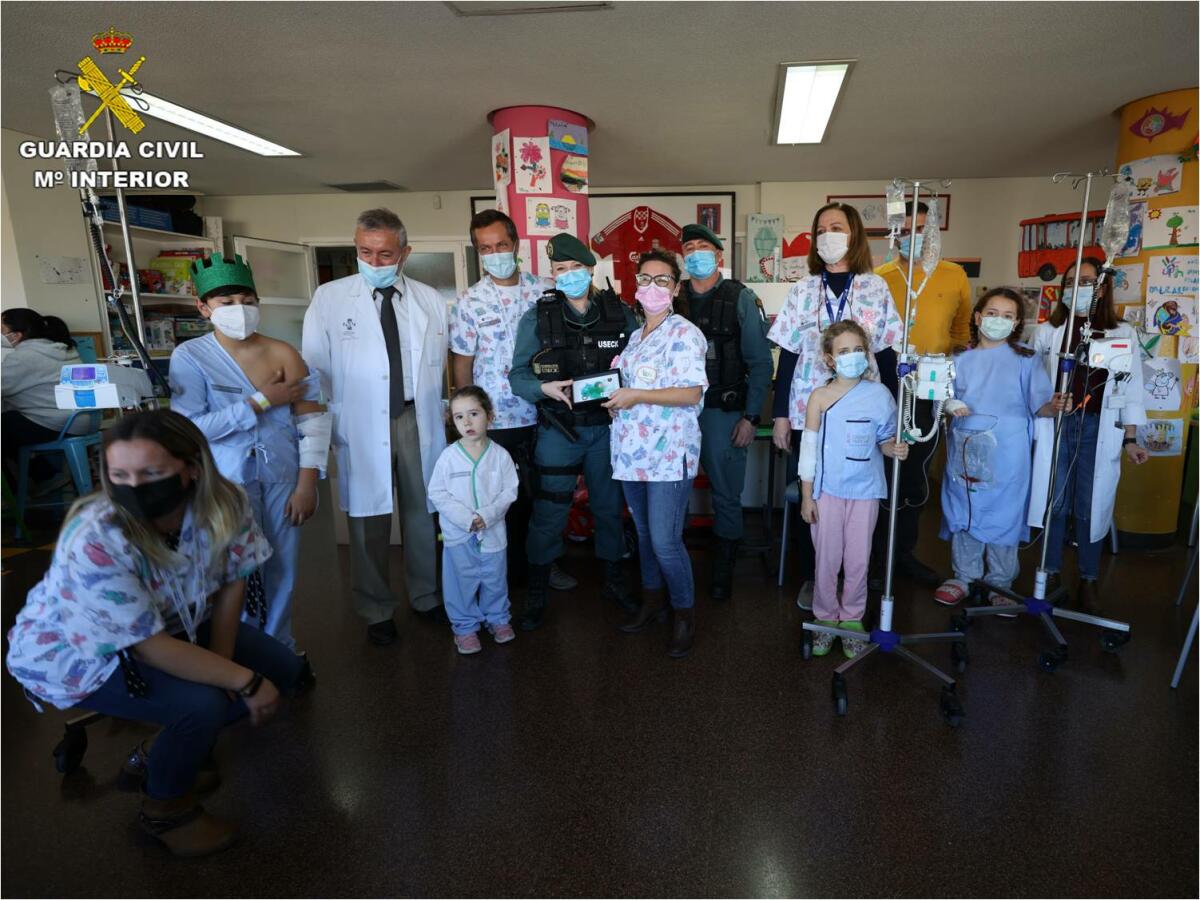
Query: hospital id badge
(711, 352)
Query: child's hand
(895, 449)
(1062, 403)
(808, 511)
(477, 523)
(301, 505)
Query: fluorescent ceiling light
(149, 105)
(807, 94)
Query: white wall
(44, 222)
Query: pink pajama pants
(842, 539)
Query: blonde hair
(218, 505)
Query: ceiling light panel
(807, 95)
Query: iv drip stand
(883, 638)
(1114, 634)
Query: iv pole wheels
(840, 703)
(1112, 640)
(68, 753)
(1050, 660)
(959, 656)
(951, 707)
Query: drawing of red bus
(1048, 243)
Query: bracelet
(252, 685)
(260, 400)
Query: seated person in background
(252, 397)
(40, 347)
(138, 617)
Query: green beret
(700, 233)
(218, 272)
(564, 246)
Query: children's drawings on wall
(1173, 275)
(764, 240)
(549, 215)
(533, 165)
(1162, 437)
(1153, 176)
(571, 138)
(1171, 315)
(1161, 384)
(1127, 282)
(1137, 217)
(1169, 227)
(574, 174)
(501, 160)
(1189, 349)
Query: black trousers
(519, 444)
(805, 550)
(19, 432)
(915, 491)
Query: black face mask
(151, 499)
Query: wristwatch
(753, 420)
(1128, 440)
(252, 685)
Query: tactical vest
(572, 350)
(723, 364)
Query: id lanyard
(825, 292)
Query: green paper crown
(218, 272)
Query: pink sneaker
(502, 633)
(467, 643)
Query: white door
(440, 264)
(285, 275)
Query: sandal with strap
(184, 828)
(951, 593)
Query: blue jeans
(192, 714)
(1073, 491)
(659, 509)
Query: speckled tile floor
(578, 761)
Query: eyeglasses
(663, 281)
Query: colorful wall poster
(501, 160)
(1169, 227)
(1154, 121)
(538, 218)
(567, 137)
(1171, 315)
(525, 255)
(533, 165)
(1135, 315)
(1127, 282)
(1137, 221)
(1050, 296)
(1173, 275)
(562, 215)
(1162, 437)
(574, 174)
(1160, 383)
(1153, 176)
(764, 243)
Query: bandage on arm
(952, 406)
(808, 455)
(315, 431)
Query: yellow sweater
(943, 307)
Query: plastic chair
(74, 449)
(790, 496)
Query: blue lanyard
(841, 299)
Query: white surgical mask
(236, 321)
(832, 246)
(996, 328)
(1083, 302)
(5, 342)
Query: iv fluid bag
(971, 452)
(895, 210)
(931, 246)
(68, 117)
(1115, 232)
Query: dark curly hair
(1014, 338)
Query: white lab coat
(1109, 445)
(343, 341)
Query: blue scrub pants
(279, 572)
(474, 586)
(1073, 482)
(725, 466)
(659, 509)
(192, 714)
(590, 455)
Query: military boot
(725, 558)
(536, 588)
(616, 586)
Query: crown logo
(112, 41)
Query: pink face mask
(654, 299)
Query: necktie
(391, 337)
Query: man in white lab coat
(379, 341)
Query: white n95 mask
(236, 321)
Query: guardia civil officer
(575, 330)
(739, 368)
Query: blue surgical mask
(378, 276)
(499, 265)
(700, 263)
(852, 364)
(1083, 303)
(906, 242)
(574, 283)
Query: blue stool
(75, 450)
(791, 496)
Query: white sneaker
(560, 580)
(804, 599)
